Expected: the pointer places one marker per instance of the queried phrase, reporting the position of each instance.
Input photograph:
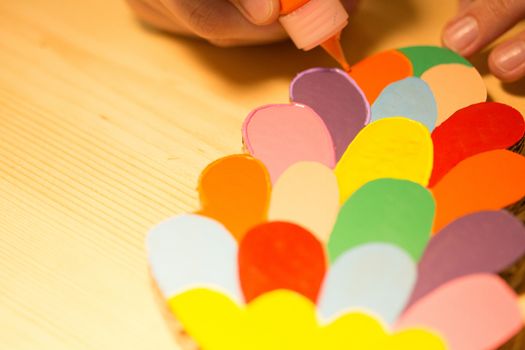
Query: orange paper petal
(235, 190)
(487, 181)
(373, 74)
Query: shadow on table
(517, 88)
(480, 61)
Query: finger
(259, 12)
(150, 15)
(507, 60)
(241, 43)
(480, 22)
(221, 20)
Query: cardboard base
(183, 339)
(515, 275)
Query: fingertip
(461, 35)
(480, 22)
(260, 12)
(507, 61)
(275, 11)
(272, 33)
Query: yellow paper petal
(280, 320)
(397, 148)
(284, 320)
(211, 318)
(414, 339)
(352, 331)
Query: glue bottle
(312, 23)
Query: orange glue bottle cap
(315, 22)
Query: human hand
(221, 22)
(478, 23)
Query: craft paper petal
(337, 99)
(362, 331)
(376, 72)
(282, 135)
(307, 194)
(213, 321)
(284, 320)
(397, 148)
(410, 98)
(487, 181)
(475, 129)
(486, 241)
(235, 190)
(454, 86)
(190, 251)
(425, 57)
(375, 277)
(475, 312)
(281, 255)
(393, 211)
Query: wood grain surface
(104, 128)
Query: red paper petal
(475, 129)
(280, 255)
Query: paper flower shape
(350, 226)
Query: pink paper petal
(475, 312)
(282, 135)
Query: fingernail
(461, 34)
(259, 11)
(511, 57)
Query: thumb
(259, 12)
(481, 22)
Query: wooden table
(104, 128)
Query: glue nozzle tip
(334, 49)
